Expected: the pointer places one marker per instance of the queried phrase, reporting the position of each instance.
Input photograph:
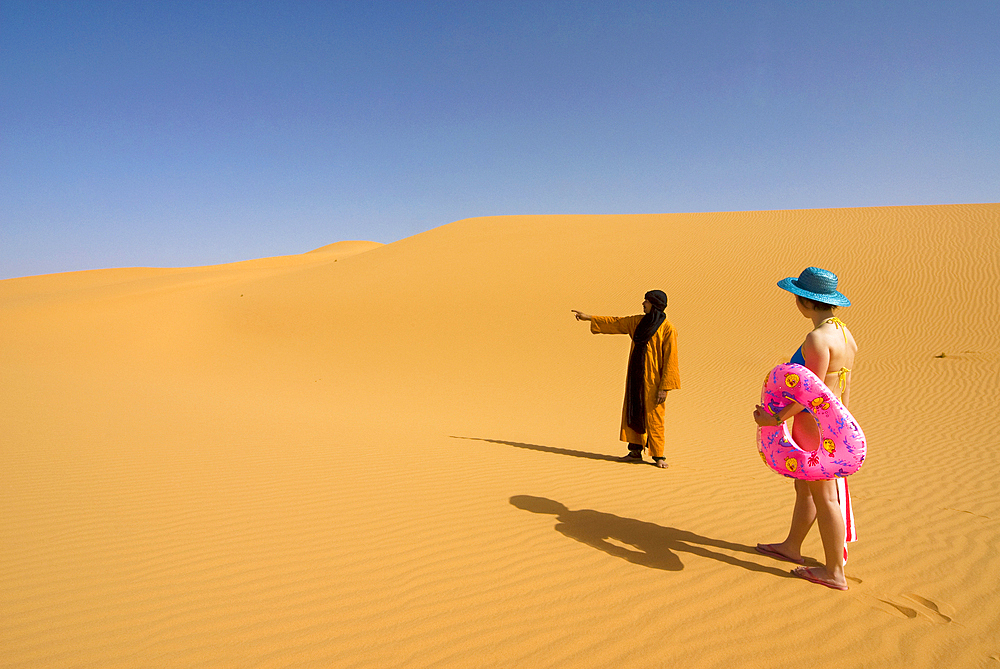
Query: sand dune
(402, 455)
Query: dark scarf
(635, 396)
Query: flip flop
(765, 549)
(806, 573)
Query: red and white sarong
(847, 513)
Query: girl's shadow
(637, 541)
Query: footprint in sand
(929, 608)
(911, 605)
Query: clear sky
(152, 133)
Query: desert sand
(403, 455)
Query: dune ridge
(401, 455)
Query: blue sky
(191, 133)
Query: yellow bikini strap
(839, 324)
(842, 374)
(842, 380)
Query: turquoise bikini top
(797, 359)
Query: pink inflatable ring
(843, 443)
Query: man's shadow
(645, 544)
(548, 449)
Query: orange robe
(661, 373)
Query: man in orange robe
(652, 372)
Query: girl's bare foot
(775, 551)
(820, 576)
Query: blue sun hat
(819, 285)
